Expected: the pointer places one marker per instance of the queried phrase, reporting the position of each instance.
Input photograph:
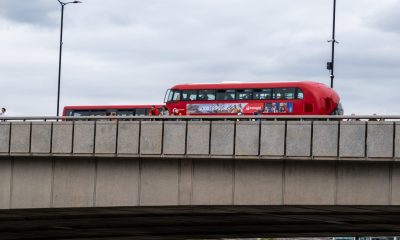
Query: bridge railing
(209, 118)
(374, 138)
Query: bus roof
(245, 85)
(99, 107)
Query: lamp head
(65, 3)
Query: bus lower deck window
(81, 113)
(130, 112)
(97, 112)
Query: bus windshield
(173, 95)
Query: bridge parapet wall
(63, 182)
(316, 140)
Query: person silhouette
(3, 112)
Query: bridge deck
(145, 179)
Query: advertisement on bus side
(237, 108)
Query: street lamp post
(331, 65)
(61, 43)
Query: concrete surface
(352, 139)
(84, 137)
(62, 138)
(74, 182)
(41, 137)
(395, 187)
(318, 140)
(380, 139)
(106, 137)
(198, 138)
(247, 138)
(151, 137)
(212, 182)
(222, 138)
(86, 182)
(310, 183)
(272, 138)
(117, 182)
(185, 182)
(20, 137)
(304, 196)
(31, 183)
(5, 182)
(174, 138)
(128, 138)
(258, 183)
(325, 139)
(364, 184)
(159, 182)
(298, 139)
(198, 193)
(4, 137)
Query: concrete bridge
(178, 178)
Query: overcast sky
(131, 51)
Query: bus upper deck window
(284, 93)
(177, 95)
(300, 94)
(262, 94)
(244, 94)
(223, 94)
(189, 95)
(206, 95)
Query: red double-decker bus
(295, 98)
(110, 110)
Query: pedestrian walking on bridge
(3, 112)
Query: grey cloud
(387, 20)
(37, 12)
